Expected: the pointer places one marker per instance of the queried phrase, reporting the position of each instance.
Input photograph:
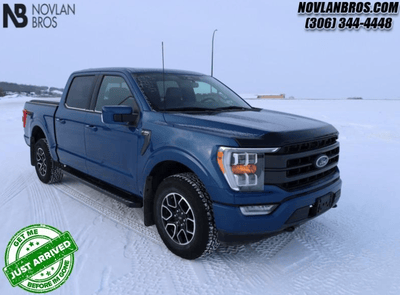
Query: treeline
(26, 89)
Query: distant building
(272, 96)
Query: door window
(80, 92)
(114, 91)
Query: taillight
(24, 116)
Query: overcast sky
(261, 47)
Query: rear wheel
(46, 168)
(184, 218)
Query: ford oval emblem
(321, 161)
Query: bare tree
(2, 93)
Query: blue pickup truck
(205, 166)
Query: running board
(124, 197)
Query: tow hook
(290, 229)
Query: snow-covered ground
(354, 249)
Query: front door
(111, 150)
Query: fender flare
(179, 156)
(51, 142)
(169, 154)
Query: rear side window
(80, 92)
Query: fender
(47, 133)
(176, 155)
(162, 155)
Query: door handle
(60, 120)
(91, 127)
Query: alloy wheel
(178, 218)
(41, 161)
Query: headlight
(243, 168)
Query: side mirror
(118, 115)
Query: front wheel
(46, 168)
(184, 218)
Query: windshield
(187, 92)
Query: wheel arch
(159, 172)
(156, 171)
(37, 133)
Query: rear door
(111, 150)
(70, 122)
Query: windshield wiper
(199, 109)
(188, 109)
(234, 108)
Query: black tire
(189, 229)
(46, 168)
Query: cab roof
(138, 71)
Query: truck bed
(45, 102)
(41, 114)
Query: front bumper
(233, 226)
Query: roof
(139, 71)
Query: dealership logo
(18, 13)
(41, 16)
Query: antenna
(212, 53)
(163, 72)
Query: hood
(257, 128)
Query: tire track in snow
(337, 250)
(46, 205)
(224, 277)
(224, 268)
(250, 265)
(228, 267)
(329, 247)
(81, 257)
(247, 268)
(110, 208)
(37, 209)
(16, 187)
(47, 209)
(144, 255)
